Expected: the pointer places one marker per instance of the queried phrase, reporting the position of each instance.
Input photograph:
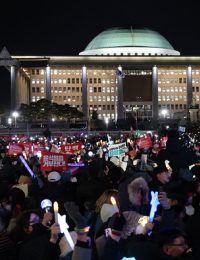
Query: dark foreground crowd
(29, 232)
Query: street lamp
(106, 120)
(164, 112)
(10, 121)
(15, 115)
(53, 119)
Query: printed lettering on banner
(55, 161)
(70, 148)
(117, 149)
(144, 142)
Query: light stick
(143, 220)
(113, 201)
(46, 204)
(64, 229)
(27, 167)
(55, 208)
(154, 204)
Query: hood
(134, 186)
(173, 145)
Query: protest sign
(23, 139)
(15, 148)
(22, 186)
(54, 148)
(144, 142)
(132, 153)
(56, 161)
(163, 141)
(70, 148)
(27, 148)
(117, 149)
(38, 147)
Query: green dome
(128, 37)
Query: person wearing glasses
(172, 242)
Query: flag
(120, 73)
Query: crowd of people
(100, 229)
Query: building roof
(128, 36)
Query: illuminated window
(167, 80)
(73, 72)
(104, 98)
(64, 98)
(163, 98)
(159, 98)
(55, 72)
(184, 89)
(172, 89)
(91, 99)
(167, 89)
(38, 98)
(64, 73)
(163, 89)
(42, 72)
(55, 89)
(103, 72)
(64, 81)
(180, 71)
(69, 98)
(99, 98)
(103, 89)
(33, 98)
(197, 97)
(33, 81)
(37, 81)
(197, 80)
(112, 98)
(108, 98)
(176, 98)
(180, 89)
(172, 98)
(193, 80)
(64, 89)
(159, 89)
(42, 81)
(168, 98)
(112, 89)
(60, 72)
(197, 72)
(176, 80)
(180, 97)
(108, 81)
(90, 90)
(77, 72)
(42, 97)
(116, 98)
(112, 81)
(60, 89)
(42, 89)
(172, 80)
(60, 81)
(171, 72)
(55, 81)
(108, 90)
(73, 98)
(159, 81)
(95, 98)
(103, 81)
(176, 89)
(116, 80)
(68, 72)
(99, 107)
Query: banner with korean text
(117, 149)
(144, 142)
(70, 148)
(15, 148)
(38, 147)
(56, 161)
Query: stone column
(189, 85)
(84, 93)
(155, 93)
(120, 95)
(13, 87)
(48, 83)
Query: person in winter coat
(133, 194)
(161, 176)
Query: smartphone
(160, 189)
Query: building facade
(156, 76)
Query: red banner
(132, 153)
(27, 148)
(56, 161)
(23, 139)
(15, 148)
(5, 137)
(54, 148)
(125, 134)
(38, 147)
(158, 150)
(75, 170)
(163, 141)
(70, 148)
(144, 142)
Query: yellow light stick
(113, 201)
(55, 208)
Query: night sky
(66, 27)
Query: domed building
(155, 76)
(129, 41)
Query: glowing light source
(55, 208)
(143, 220)
(26, 165)
(154, 204)
(113, 201)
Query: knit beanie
(132, 219)
(107, 211)
(65, 176)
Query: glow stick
(143, 220)
(55, 208)
(27, 167)
(64, 229)
(113, 201)
(154, 204)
